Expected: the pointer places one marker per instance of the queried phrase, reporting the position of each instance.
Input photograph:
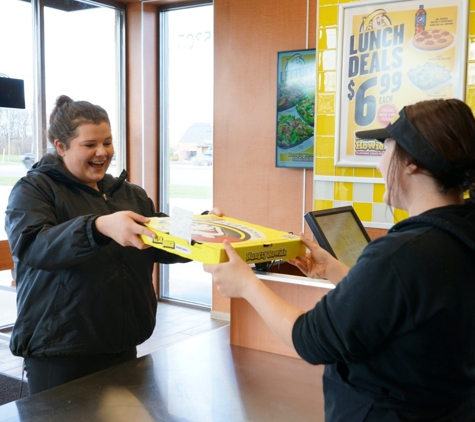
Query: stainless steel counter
(201, 379)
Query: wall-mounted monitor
(12, 93)
(340, 232)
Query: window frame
(163, 188)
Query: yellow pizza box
(254, 244)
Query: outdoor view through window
(187, 140)
(73, 65)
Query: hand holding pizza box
(253, 243)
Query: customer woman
(397, 334)
(84, 276)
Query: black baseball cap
(405, 134)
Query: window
(87, 64)
(186, 139)
(81, 55)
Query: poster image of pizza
(433, 39)
(253, 243)
(393, 54)
(295, 121)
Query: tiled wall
(361, 187)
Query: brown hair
(449, 126)
(68, 115)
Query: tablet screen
(340, 232)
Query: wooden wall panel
(248, 329)
(142, 104)
(6, 261)
(142, 139)
(134, 92)
(247, 185)
(150, 101)
(375, 233)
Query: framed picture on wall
(392, 54)
(295, 122)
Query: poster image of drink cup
(375, 20)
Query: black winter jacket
(79, 293)
(398, 332)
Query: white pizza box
(253, 243)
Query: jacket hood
(51, 165)
(458, 220)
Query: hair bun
(63, 99)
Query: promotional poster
(394, 54)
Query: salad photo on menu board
(295, 124)
(392, 54)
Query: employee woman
(397, 334)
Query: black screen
(12, 93)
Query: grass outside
(8, 180)
(10, 159)
(191, 192)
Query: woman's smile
(89, 154)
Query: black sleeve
(351, 321)
(160, 214)
(100, 238)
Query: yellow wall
(361, 187)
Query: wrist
(336, 271)
(98, 235)
(251, 287)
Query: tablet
(340, 232)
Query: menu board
(394, 54)
(295, 123)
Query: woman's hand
(217, 211)
(232, 278)
(236, 279)
(319, 263)
(125, 227)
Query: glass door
(186, 178)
